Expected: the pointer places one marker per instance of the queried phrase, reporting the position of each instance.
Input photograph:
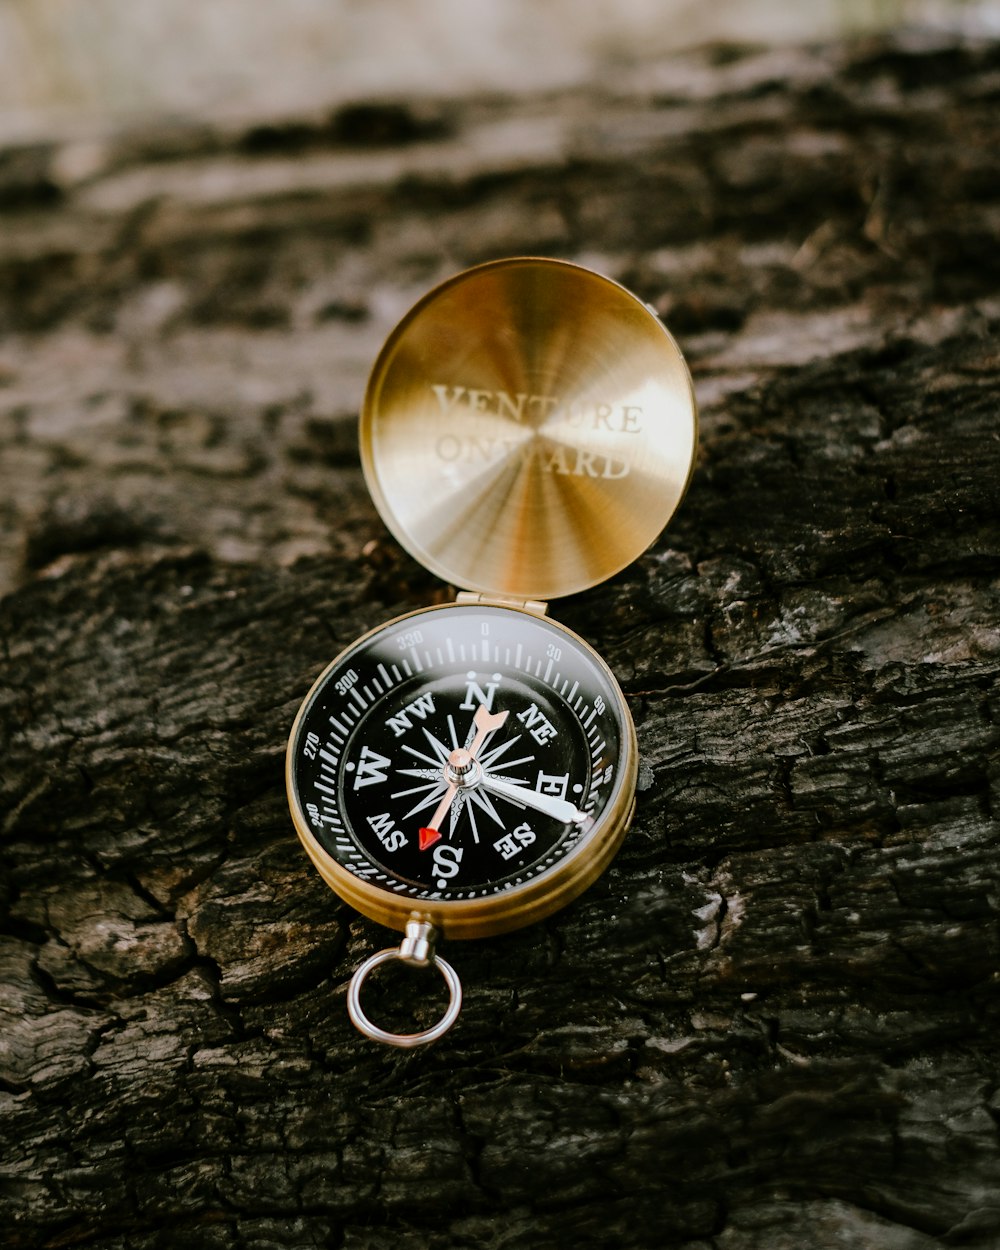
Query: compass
(466, 769)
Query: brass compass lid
(528, 429)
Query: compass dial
(471, 764)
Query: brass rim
(528, 429)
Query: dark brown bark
(773, 1023)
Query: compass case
(528, 429)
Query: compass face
(459, 755)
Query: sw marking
(392, 839)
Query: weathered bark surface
(773, 1023)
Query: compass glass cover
(369, 755)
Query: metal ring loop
(361, 1021)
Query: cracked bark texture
(773, 1023)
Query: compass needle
(527, 431)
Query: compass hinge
(535, 606)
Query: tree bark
(773, 1022)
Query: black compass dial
(458, 752)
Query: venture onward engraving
(543, 415)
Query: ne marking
(416, 660)
(341, 729)
(385, 676)
(451, 648)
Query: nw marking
(421, 708)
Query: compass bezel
(513, 908)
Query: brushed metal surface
(528, 429)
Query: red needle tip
(428, 837)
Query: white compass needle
(548, 804)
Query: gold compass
(528, 429)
